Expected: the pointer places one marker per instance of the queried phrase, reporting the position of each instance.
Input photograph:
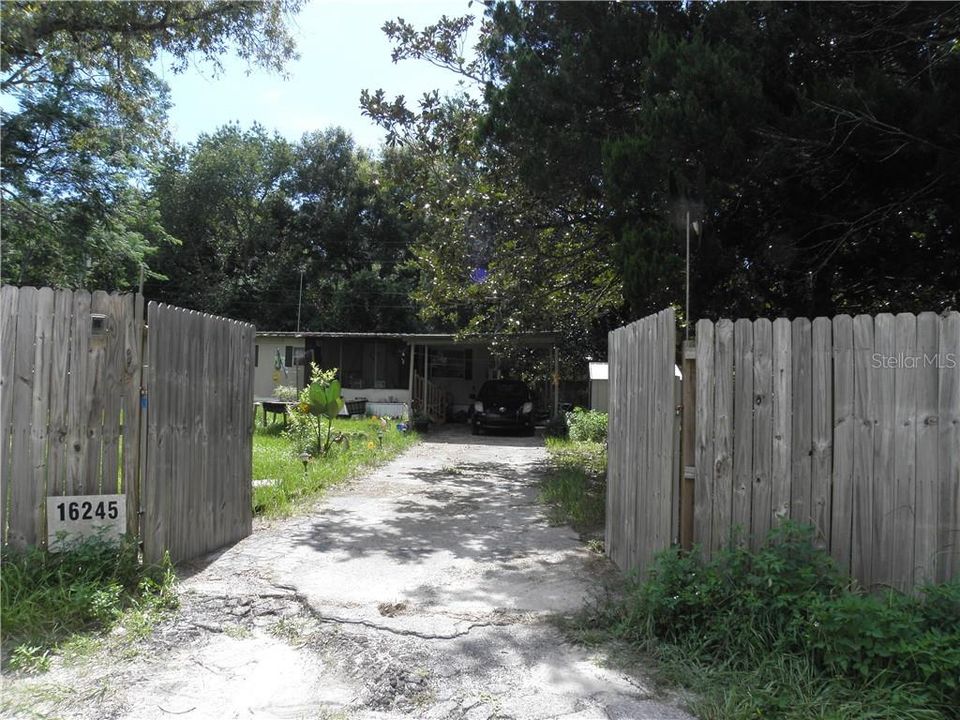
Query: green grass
(575, 485)
(275, 457)
(52, 602)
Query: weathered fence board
(841, 524)
(948, 540)
(904, 454)
(8, 334)
(198, 484)
(782, 419)
(742, 430)
(62, 385)
(928, 438)
(821, 430)
(801, 436)
(762, 431)
(643, 472)
(723, 437)
(706, 398)
(864, 410)
(852, 425)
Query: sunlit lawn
(275, 458)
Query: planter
(421, 426)
(356, 407)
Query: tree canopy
(816, 146)
(90, 116)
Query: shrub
(587, 425)
(787, 609)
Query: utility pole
(300, 298)
(686, 312)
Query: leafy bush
(587, 425)
(753, 619)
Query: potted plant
(421, 422)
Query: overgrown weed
(781, 633)
(575, 486)
(50, 602)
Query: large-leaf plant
(322, 400)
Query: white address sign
(75, 517)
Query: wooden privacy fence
(72, 421)
(643, 442)
(851, 424)
(198, 485)
(69, 403)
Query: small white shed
(598, 386)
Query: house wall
(376, 395)
(265, 375)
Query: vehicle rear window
(505, 391)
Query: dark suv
(503, 404)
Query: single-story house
(393, 372)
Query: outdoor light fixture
(98, 323)
(305, 458)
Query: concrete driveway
(426, 589)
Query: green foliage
(319, 401)
(575, 485)
(47, 597)
(258, 214)
(87, 118)
(587, 425)
(814, 145)
(280, 483)
(30, 659)
(287, 393)
(784, 617)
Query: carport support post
(426, 375)
(413, 354)
(556, 382)
(687, 440)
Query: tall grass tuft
(47, 597)
(575, 485)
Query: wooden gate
(70, 397)
(73, 420)
(198, 483)
(643, 442)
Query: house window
(293, 356)
(256, 356)
(446, 363)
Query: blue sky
(342, 51)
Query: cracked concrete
(426, 589)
